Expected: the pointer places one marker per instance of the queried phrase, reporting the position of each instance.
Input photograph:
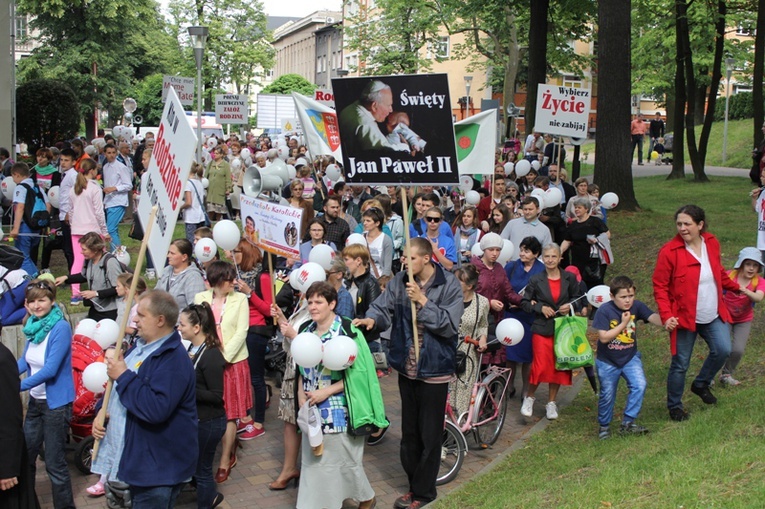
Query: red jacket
(485, 206)
(260, 309)
(676, 282)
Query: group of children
(618, 355)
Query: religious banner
(271, 226)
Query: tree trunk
(699, 104)
(759, 63)
(706, 130)
(670, 110)
(678, 121)
(511, 70)
(613, 171)
(537, 58)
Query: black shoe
(374, 440)
(511, 393)
(679, 414)
(404, 501)
(630, 428)
(218, 500)
(704, 393)
(604, 432)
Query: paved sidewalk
(260, 460)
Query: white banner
(320, 128)
(563, 110)
(272, 227)
(164, 181)
(184, 87)
(231, 109)
(324, 97)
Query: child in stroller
(665, 155)
(658, 147)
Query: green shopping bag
(572, 350)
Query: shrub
(47, 111)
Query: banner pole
(273, 283)
(125, 318)
(319, 180)
(407, 237)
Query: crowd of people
(210, 391)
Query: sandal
(97, 490)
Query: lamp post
(468, 82)
(198, 39)
(728, 71)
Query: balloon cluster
(105, 333)
(336, 354)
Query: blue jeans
(155, 497)
(114, 216)
(26, 242)
(609, 375)
(256, 346)
(50, 426)
(190, 229)
(717, 336)
(210, 434)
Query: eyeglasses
(433, 219)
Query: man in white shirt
(535, 145)
(527, 226)
(118, 182)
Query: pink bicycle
(483, 420)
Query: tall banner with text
(168, 171)
(319, 127)
(564, 111)
(396, 130)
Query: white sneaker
(528, 407)
(151, 274)
(728, 380)
(552, 411)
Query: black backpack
(36, 214)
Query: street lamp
(468, 82)
(198, 39)
(728, 71)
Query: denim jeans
(50, 426)
(256, 346)
(190, 229)
(26, 242)
(155, 497)
(609, 375)
(210, 434)
(717, 336)
(114, 216)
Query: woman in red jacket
(687, 285)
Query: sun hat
(309, 422)
(491, 240)
(748, 253)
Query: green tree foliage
(237, 51)
(394, 37)
(99, 48)
(43, 110)
(148, 95)
(288, 83)
(741, 106)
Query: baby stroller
(84, 352)
(666, 157)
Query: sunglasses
(433, 219)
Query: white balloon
(308, 274)
(122, 255)
(292, 171)
(509, 167)
(236, 163)
(510, 332)
(476, 250)
(552, 197)
(536, 165)
(212, 143)
(107, 332)
(307, 349)
(94, 377)
(53, 196)
(9, 187)
(598, 295)
(539, 194)
(333, 172)
(205, 250)
(323, 255)
(506, 253)
(247, 162)
(226, 234)
(245, 153)
(466, 183)
(118, 131)
(473, 197)
(356, 238)
(2, 234)
(339, 353)
(86, 328)
(205, 183)
(522, 168)
(235, 196)
(283, 152)
(609, 200)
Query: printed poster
(271, 226)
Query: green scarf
(45, 170)
(37, 329)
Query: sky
(296, 8)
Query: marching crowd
(174, 403)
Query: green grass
(715, 460)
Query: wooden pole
(560, 148)
(408, 238)
(125, 318)
(319, 180)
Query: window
(573, 82)
(439, 49)
(737, 89)
(21, 28)
(746, 29)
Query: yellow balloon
(654, 155)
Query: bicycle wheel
(489, 402)
(453, 450)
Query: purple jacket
(494, 285)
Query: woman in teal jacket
(47, 362)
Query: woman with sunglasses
(232, 320)
(444, 250)
(47, 364)
(220, 185)
(197, 324)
